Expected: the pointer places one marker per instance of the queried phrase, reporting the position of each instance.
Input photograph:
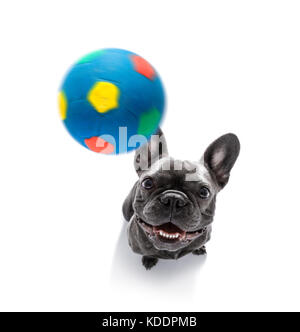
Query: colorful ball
(110, 96)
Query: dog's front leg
(200, 251)
(149, 262)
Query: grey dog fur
(184, 183)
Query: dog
(171, 207)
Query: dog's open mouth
(169, 232)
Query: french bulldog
(171, 207)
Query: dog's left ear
(149, 153)
(220, 157)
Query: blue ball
(111, 101)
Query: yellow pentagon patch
(62, 105)
(104, 96)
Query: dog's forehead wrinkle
(191, 170)
(172, 164)
(185, 172)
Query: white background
(228, 66)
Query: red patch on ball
(143, 67)
(98, 144)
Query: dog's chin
(169, 236)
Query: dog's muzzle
(170, 233)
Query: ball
(111, 101)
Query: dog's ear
(149, 153)
(220, 157)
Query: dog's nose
(173, 200)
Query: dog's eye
(204, 192)
(147, 183)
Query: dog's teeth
(168, 236)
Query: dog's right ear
(150, 152)
(220, 157)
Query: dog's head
(174, 200)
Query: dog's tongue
(169, 228)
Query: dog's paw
(200, 251)
(149, 262)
